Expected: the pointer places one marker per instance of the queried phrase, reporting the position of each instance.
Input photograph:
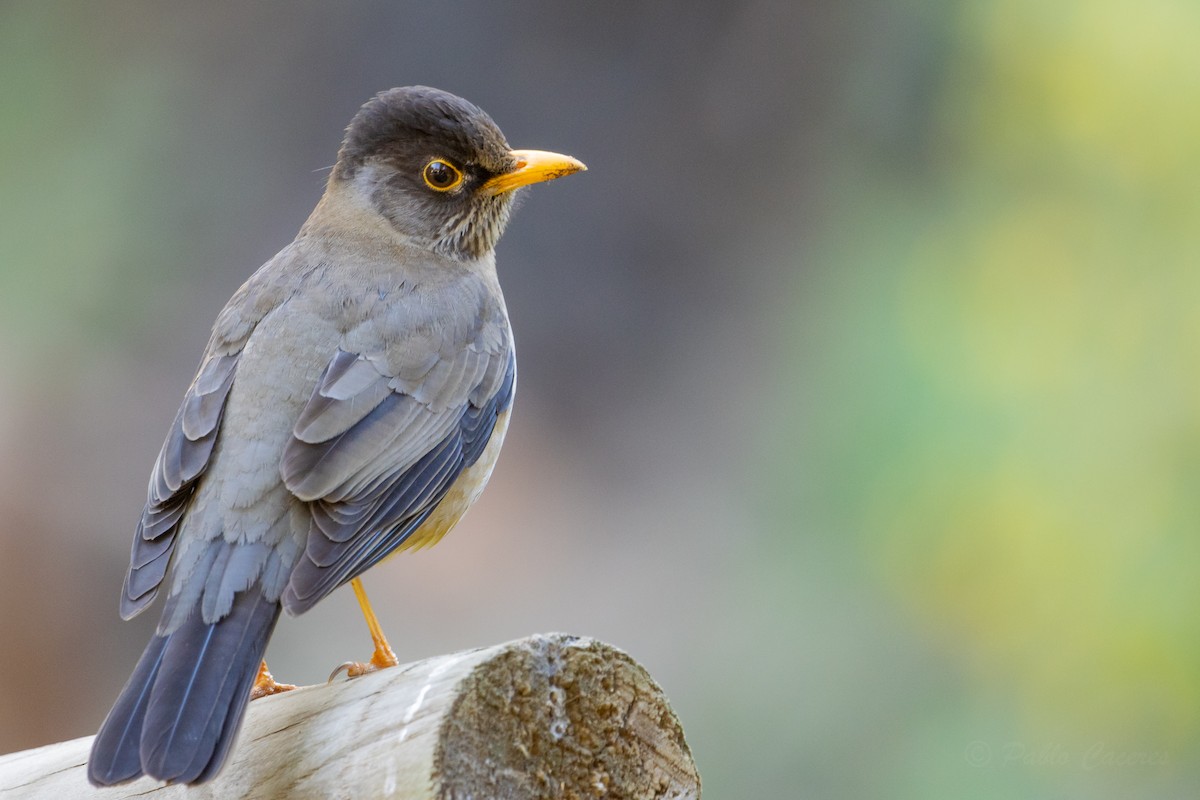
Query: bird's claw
(382, 658)
(352, 669)
(266, 685)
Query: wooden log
(551, 716)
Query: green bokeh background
(997, 364)
(882, 405)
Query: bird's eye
(441, 176)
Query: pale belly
(462, 493)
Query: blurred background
(859, 395)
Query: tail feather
(182, 708)
(115, 757)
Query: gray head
(438, 169)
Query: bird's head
(438, 169)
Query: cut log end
(562, 717)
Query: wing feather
(184, 457)
(372, 484)
(348, 377)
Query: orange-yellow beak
(533, 166)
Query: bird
(350, 404)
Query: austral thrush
(351, 403)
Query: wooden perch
(551, 716)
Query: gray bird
(351, 403)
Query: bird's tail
(183, 705)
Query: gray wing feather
(355, 431)
(372, 483)
(182, 460)
(348, 377)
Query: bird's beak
(533, 166)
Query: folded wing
(376, 449)
(183, 459)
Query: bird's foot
(265, 684)
(382, 658)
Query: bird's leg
(264, 684)
(383, 657)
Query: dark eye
(441, 176)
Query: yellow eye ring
(441, 176)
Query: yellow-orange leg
(383, 657)
(264, 684)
